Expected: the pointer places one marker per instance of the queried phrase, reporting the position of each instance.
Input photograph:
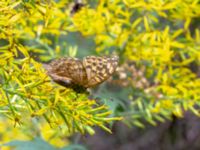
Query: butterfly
(82, 74)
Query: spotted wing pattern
(67, 72)
(99, 69)
(86, 73)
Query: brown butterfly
(75, 73)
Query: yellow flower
(89, 22)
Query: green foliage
(160, 35)
(38, 143)
(158, 43)
(162, 39)
(29, 35)
(31, 145)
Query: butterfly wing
(99, 69)
(67, 71)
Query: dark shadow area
(178, 134)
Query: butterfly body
(86, 73)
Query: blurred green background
(150, 102)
